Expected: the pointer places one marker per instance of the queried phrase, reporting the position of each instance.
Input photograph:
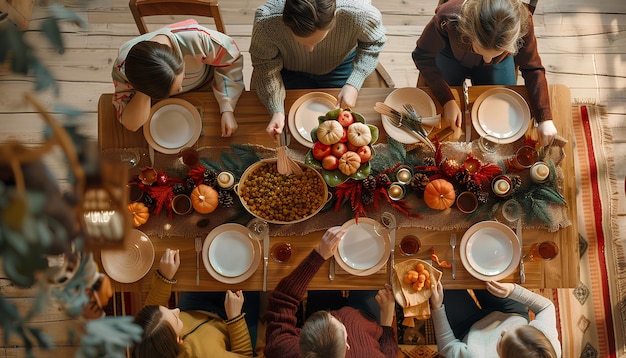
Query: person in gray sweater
(313, 44)
(499, 327)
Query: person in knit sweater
(313, 44)
(190, 333)
(329, 334)
(483, 40)
(175, 59)
(499, 327)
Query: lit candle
(501, 186)
(539, 172)
(225, 180)
(396, 191)
(404, 175)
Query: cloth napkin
(414, 303)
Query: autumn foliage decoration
(161, 191)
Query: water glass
(488, 143)
(545, 250)
(385, 224)
(257, 229)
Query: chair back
(203, 8)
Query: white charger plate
(174, 123)
(422, 103)
(490, 251)
(501, 113)
(362, 251)
(131, 263)
(229, 255)
(303, 114)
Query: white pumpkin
(359, 134)
(329, 132)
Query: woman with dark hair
(483, 40)
(337, 333)
(176, 59)
(499, 327)
(201, 327)
(313, 44)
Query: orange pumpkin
(139, 213)
(349, 163)
(439, 194)
(204, 199)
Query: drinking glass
(189, 156)
(488, 143)
(385, 224)
(257, 229)
(282, 252)
(545, 250)
(511, 211)
(410, 245)
(467, 202)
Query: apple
(365, 152)
(330, 162)
(352, 147)
(338, 149)
(344, 138)
(345, 118)
(320, 150)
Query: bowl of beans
(281, 199)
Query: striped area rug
(592, 315)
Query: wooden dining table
(252, 118)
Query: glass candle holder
(396, 191)
(501, 186)
(225, 180)
(404, 174)
(539, 172)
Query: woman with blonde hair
(483, 40)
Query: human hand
(436, 297)
(347, 96)
(233, 303)
(275, 127)
(498, 289)
(229, 124)
(547, 131)
(387, 304)
(330, 240)
(170, 261)
(452, 114)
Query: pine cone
(190, 183)
(482, 197)
(210, 178)
(367, 198)
(462, 177)
(472, 186)
(516, 181)
(225, 199)
(384, 179)
(419, 182)
(148, 200)
(369, 183)
(449, 167)
(429, 161)
(179, 189)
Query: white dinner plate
(362, 251)
(490, 251)
(174, 123)
(131, 263)
(304, 113)
(229, 255)
(501, 113)
(422, 103)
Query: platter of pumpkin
(342, 146)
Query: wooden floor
(582, 44)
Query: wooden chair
(380, 78)
(204, 8)
(530, 4)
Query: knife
(392, 242)
(522, 274)
(331, 269)
(468, 122)
(266, 251)
(453, 245)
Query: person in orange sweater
(483, 40)
(330, 334)
(189, 333)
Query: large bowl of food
(278, 198)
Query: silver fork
(414, 119)
(403, 124)
(198, 247)
(453, 244)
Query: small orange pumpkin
(439, 194)
(204, 199)
(139, 213)
(349, 163)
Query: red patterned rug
(592, 315)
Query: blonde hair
(494, 24)
(321, 338)
(527, 342)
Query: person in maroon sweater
(329, 334)
(483, 40)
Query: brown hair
(527, 342)
(159, 338)
(320, 338)
(151, 68)
(494, 24)
(304, 17)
